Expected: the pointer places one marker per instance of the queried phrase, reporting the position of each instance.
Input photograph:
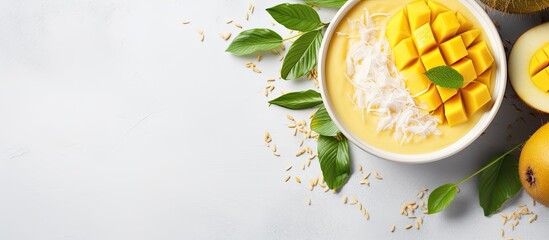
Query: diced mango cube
(431, 98)
(398, 28)
(453, 50)
(464, 23)
(546, 49)
(486, 78)
(445, 26)
(481, 56)
(539, 61)
(475, 95)
(466, 68)
(436, 9)
(446, 93)
(405, 53)
(470, 37)
(433, 59)
(424, 39)
(439, 113)
(454, 111)
(418, 14)
(416, 81)
(541, 80)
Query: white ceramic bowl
(497, 92)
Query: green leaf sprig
(445, 76)
(298, 100)
(302, 55)
(498, 184)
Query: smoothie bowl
(372, 69)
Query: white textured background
(116, 122)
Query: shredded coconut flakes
(379, 87)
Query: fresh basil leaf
(323, 124)
(333, 154)
(499, 183)
(298, 100)
(441, 198)
(327, 3)
(445, 76)
(301, 58)
(253, 40)
(297, 17)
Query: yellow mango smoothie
(394, 107)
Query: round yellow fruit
(529, 67)
(534, 166)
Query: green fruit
(518, 6)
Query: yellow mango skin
(439, 113)
(486, 78)
(453, 50)
(470, 37)
(397, 28)
(431, 98)
(541, 80)
(445, 26)
(407, 53)
(464, 24)
(416, 81)
(433, 59)
(481, 56)
(418, 14)
(446, 93)
(539, 61)
(466, 68)
(455, 111)
(436, 9)
(475, 95)
(424, 39)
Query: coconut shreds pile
(379, 87)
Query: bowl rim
(498, 92)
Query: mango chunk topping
(481, 56)
(424, 38)
(426, 34)
(453, 50)
(418, 14)
(475, 95)
(401, 31)
(455, 111)
(445, 26)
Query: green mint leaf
(253, 40)
(323, 124)
(297, 17)
(441, 198)
(333, 154)
(499, 183)
(298, 100)
(445, 76)
(327, 3)
(302, 56)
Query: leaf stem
(489, 165)
(324, 25)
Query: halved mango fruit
(524, 61)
